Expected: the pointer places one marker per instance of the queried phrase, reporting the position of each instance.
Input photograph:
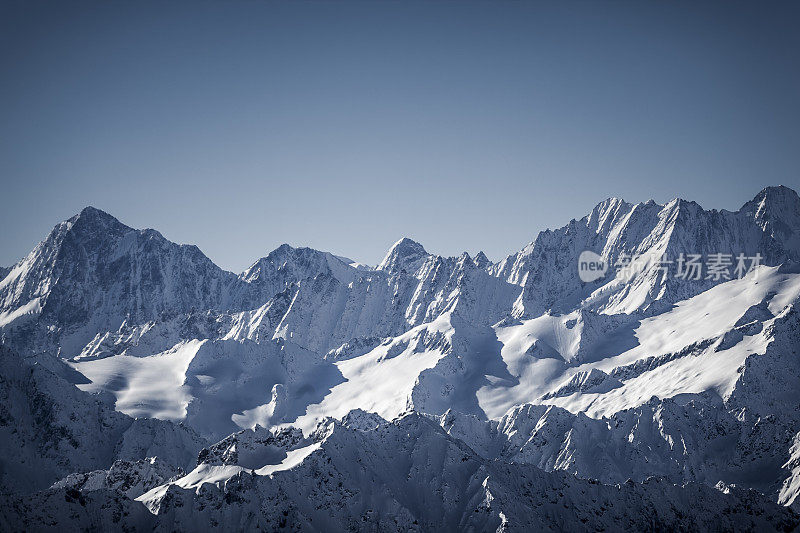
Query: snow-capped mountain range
(142, 386)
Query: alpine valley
(144, 388)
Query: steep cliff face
(93, 273)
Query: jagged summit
(680, 202)
(481, 260)
(91, 211)
(284, 253)
(607, 211)
(776, 210)
(91, 219)
(285, 267)
(777, 202)
(775, 192)
(612, 202)
(402, 255)
(282, 249)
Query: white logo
(591, 266)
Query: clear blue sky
(238, 126)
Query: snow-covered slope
(49, 428)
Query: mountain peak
(771, 197)
(402, 254)
(777, 211)
(93, 220)
(604, 213)
(611, 201)
(778, 194)
(773, 203)
(91, 212)
(779, 189)
(681, 205)
(481, 260)
(405, 242)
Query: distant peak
(680, 203)
(92, 220)
(91, 210)
(611, 201)
(283, 248)
(774, 197)
(607, 211)
(481, 260)
(402, 254)
(406, 243)
(406, 246)
(609, 205)
(779, 188)
(93, 213)
(277, 255)
(778, 192)
(280, 251)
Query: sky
(239, 126)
